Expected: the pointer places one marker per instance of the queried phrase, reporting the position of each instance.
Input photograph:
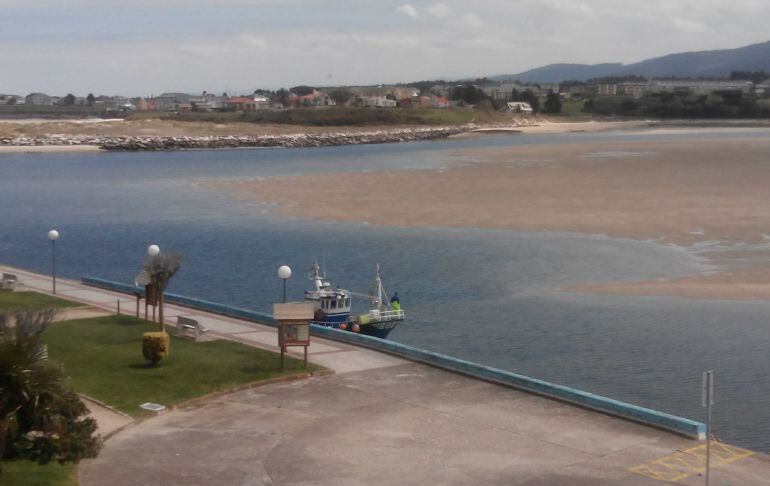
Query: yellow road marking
(687, 462)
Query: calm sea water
(488, 296)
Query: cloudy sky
(142, 47)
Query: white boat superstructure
(331, 304)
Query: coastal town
(501, 95)
(368, 114)
(421, 242)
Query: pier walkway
(385, 420)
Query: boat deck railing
(391, 315)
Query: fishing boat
(332, 307)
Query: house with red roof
(247, 103)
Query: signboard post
(143, 278)
(708, 401)
(294, 325)
(150, 298)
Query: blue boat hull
(378, 329)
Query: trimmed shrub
(155, 346)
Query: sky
(146, 47)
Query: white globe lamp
(53, 235)
(284, 272)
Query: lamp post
(284, 272)
(53, 235)
(153, 250)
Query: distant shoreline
(35, 135)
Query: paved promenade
(384, 420)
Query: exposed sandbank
(746, 284)
(681, 192)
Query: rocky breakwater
(291, 140)
(61, 140)
(135, 143)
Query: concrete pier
(386, 420)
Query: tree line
(719, 104)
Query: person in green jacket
(395, 302)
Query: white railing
(391, 315)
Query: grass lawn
(103, 358)
(573, 108)
(30, 473)
(30, 300)
(343, 116)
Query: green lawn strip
(29, 473)
(343, 117)
(573, 109)
(31, 300)
(103, 359)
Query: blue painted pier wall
(647, 416)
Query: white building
(608, 89)
(519, 107)
(501, 92)
(698, 87)
(379, 102)
(635, 90)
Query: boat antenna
(323, 263)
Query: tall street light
(153, 251)
(53, 235)
(284, 272)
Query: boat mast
(316, 277)
(379, 287)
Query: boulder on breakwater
(232, 141)
(292, 140)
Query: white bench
(9, 281)
(186, 327)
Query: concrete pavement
(400, 425)
(384, 420)
(109, 420)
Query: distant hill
(719, 63)
(556, 73)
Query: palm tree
(160, 269)
(40, 418)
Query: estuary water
(489, 296)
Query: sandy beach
(590, 126)
(673, 192)
(42, 129)
(38, 149)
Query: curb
(193, 402)
(133, 420)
